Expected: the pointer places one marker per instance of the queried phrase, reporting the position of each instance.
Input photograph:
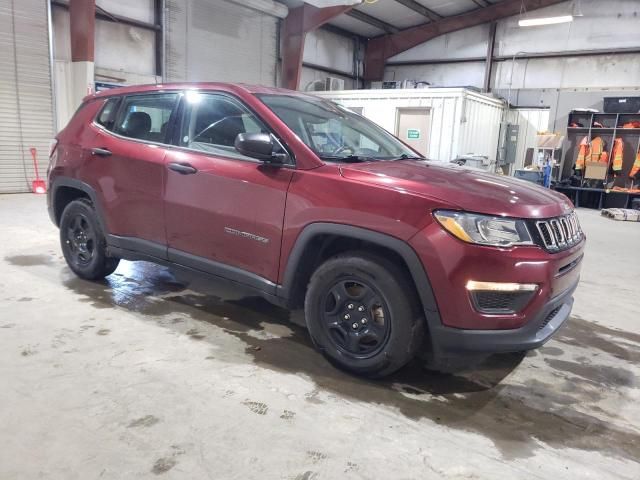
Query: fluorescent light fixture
(536, 22)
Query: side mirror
(260, 146)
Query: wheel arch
(64, 190)
(319, 241)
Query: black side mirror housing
(260, 146)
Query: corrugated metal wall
(462, 121)
(480, 127)
(26, 110)
(216, 40)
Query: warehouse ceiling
(374, 18)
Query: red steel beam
(296, 25)
(82, 19)
(379, 49)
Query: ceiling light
(535, 22)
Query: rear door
(224, 210)
(127, 162)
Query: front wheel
(83, 243)
(363, 314)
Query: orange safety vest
(636, 165)
(618, 153)
(582, 154)
(596, 151)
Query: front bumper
(449, 341)
(457, 327)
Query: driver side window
(212, 122)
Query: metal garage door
(220, 40)
(26, 112)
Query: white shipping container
(461, 121)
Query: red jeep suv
(315, 207)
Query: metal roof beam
(421, 9)
(379, 49)
(373, 21)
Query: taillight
(53, 143)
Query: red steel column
(301, 20)
(82, 16)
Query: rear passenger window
(212, 122)
(108, 113)
(146, 117)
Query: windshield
(335, 133)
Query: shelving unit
(610, 130)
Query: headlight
(484, 229)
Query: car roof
(239, 88)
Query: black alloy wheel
(83, 244)
(354, 316)
(363, 313)
(81, 240)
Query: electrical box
(508, 143)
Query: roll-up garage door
(221, 40)
(26, 109)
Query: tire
(83, 242)
(364, 286)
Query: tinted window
(146, 116)
(212, 122)
(108, 113)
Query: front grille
(500, 302)
(559, 233)
(549, 317)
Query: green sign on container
(413, 133)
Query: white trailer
(441, 123)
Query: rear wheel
(83, 243)
(363, 314)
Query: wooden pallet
(624, 214)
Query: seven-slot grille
(559, 233)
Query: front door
(127, 161)
(413, 128)
(224, 211)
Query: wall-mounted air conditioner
(325, 85)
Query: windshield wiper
(347, 159)
(404, 156)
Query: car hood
(463, 188)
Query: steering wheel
(341, 149)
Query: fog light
(474, 286)
(500, 298)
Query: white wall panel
(610, 24)
(468, 43)
(217, 40)
(141, 10)
(328, 49)
(603, 71)
(604, 25)
(124, 48)
(469, 74)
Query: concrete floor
(143, 376)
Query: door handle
(102, 152)
(183, 168)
